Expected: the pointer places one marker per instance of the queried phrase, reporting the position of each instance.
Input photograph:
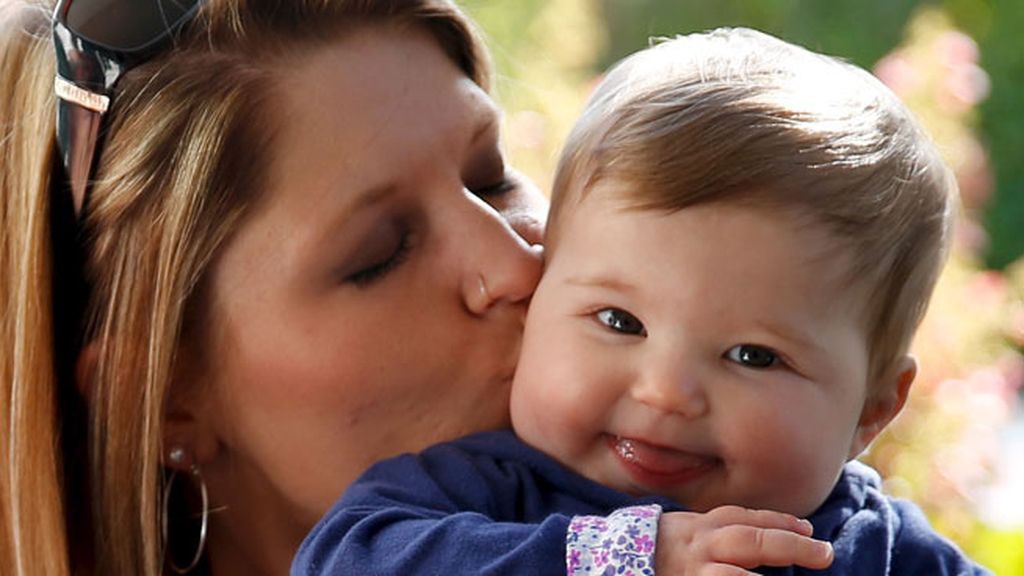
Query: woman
(302, 253)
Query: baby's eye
(621, 321)
(753, 356)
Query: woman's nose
(501, 267)
(671, 388)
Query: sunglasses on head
(97, 41)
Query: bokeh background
(958, 447)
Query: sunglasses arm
(78, 125)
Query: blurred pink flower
(962, 87)
(527, 130)
(973, 172)
(984, 393)
(1016, 328)
(970, 237)
(898, 73)
(1011, 364)
(953, 48)
(988, 290)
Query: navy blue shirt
(489, 504)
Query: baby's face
(712, 355)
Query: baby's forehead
(823, 242)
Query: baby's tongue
(656, 459)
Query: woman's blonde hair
(735, 115)
(186, 150)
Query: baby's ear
(884, 403)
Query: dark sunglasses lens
(127, 25)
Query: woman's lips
(651, 465)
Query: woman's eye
(621, 321)
(753, 356)
(503, 185)
(383, 260)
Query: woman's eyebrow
(367, 199)
(351, 207)
(484, 116)
(487, 126)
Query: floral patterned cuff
(621, 543)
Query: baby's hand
(728, 539)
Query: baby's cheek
(796, 479)
(546, 416)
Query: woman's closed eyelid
(503, 186)
(487, 173)
(373, 273)
(383, 250)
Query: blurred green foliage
(863, 31)
(997, 26)
(857, 30)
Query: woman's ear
(187, 417)
(85, 368)
(884, 403)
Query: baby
(743, 238)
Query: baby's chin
(798, 496)
(799, 507)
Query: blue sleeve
(893, 538)
(875, 535)
(430, 515)
(920, 550)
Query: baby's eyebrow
(790, 334)
(605, 282)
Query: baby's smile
(653, 466)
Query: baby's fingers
(728, 515)
(751, 546)
(723, 570)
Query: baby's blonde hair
(735, 115)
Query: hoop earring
(194, 471)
